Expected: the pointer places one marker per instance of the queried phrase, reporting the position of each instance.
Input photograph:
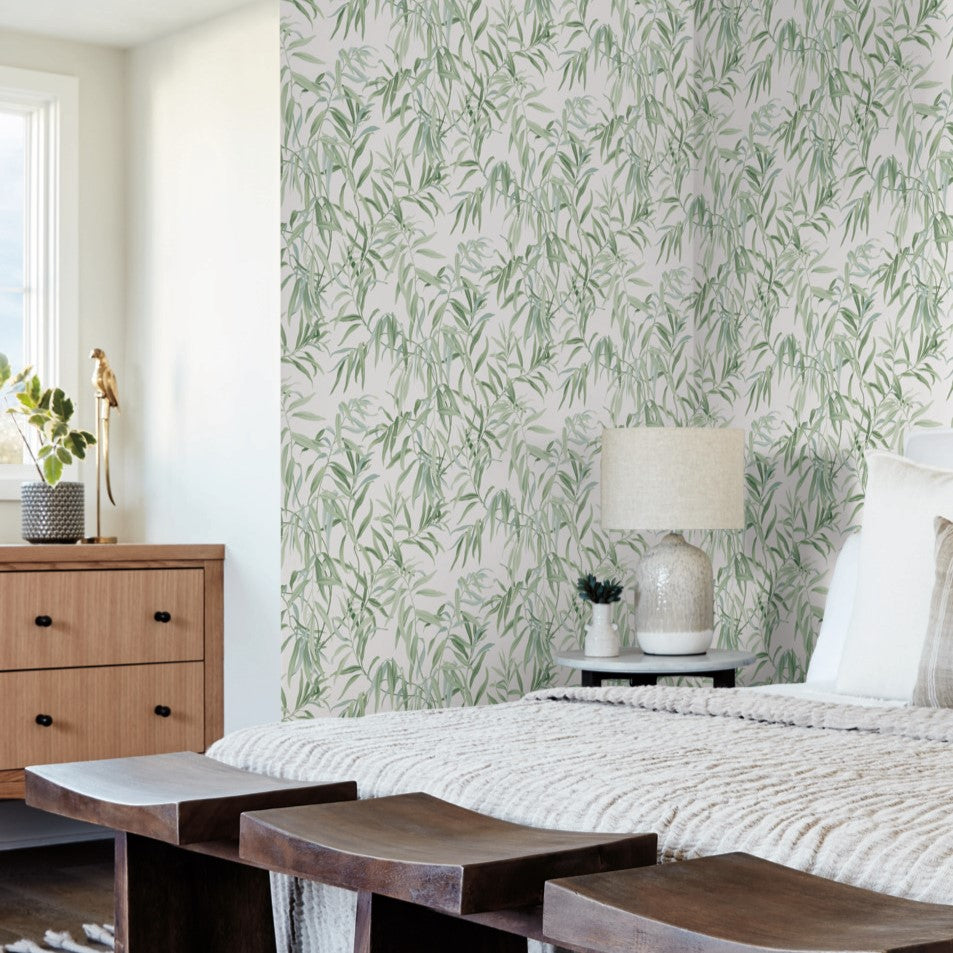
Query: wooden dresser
(107, 651)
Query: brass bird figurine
(107, 393)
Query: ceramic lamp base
(674, 599)
(675, 643)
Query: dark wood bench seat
(180, 885)
(736, 903)
(180, 798)
(431, 875)
(427, 851)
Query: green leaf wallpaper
(822, 285)
(507, 225)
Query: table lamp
(673, 479)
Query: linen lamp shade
(665, 478)
(673, 478)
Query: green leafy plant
(601, 592)
(49, 411)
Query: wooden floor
(58, 888)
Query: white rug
(102, 936)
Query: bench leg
(392, 926)
(170, 899)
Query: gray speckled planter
(52, 514)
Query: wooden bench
(431, 875)
(733, 903)
(196, 839)
(180, 884)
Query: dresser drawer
(100, 713)
(100, 617)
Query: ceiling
(121, 23)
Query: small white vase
(602, 634)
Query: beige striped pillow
(934, 688)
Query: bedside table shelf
(637, 668)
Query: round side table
(641, 669)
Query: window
(38, 240)
(13, 188)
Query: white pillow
(825, 659)
(933, 447)
(895, 582)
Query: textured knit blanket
(855, 794)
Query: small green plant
(591, 589)
(49, 411)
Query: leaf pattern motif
(507, 225)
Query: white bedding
(854, 793)
(827, 693)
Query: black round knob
(163, 711)
(44, 720)
(163, 617)
(43, 621)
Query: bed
(854, 788)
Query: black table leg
(591, 679)
(636, 681)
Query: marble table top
(632, 661)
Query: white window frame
(50, 102)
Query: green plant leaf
(52, 469)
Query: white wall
(179, 283)
(202, 354)
(100, 71)
(102, 287)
